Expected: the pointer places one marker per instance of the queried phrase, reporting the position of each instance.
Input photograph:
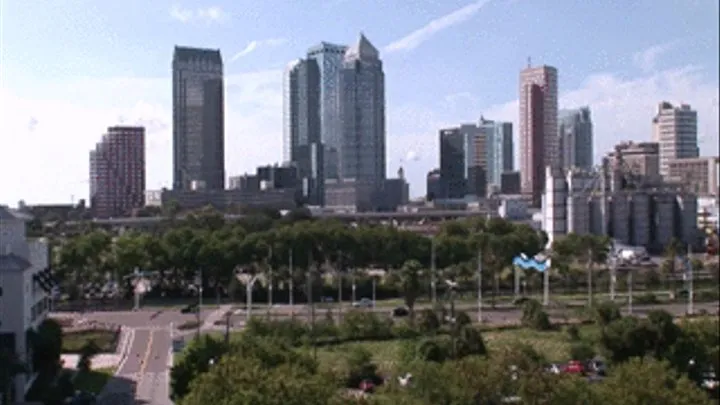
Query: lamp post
(291, 298)
(630, 290)
(199, 283)
(433, 271)
(613, 275)
(451, 294)
(691, 289)
(479, 285)
(248, 296)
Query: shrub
(573, 333)
(357, 325)
(470, 343)
(462, 319)
(605, 312)
(534, 317)
(290, 331)
(403, 330)
(581, 351)
(646, 299)
(428, 322)
(360, 367)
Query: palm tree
(411, 284)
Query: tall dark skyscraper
(198, 119)
(362, 114)
(302, 127)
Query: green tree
(647, 381)
(195, 360)
(47, 347)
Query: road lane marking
(148, 353)
(126, 352)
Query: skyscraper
(117, 172)
(676, 130)
(499, 149)
(362, 115)
(198, 119)
(329, 59)
(538, 127)
(302, 127)
(575, 138)
(464, 160)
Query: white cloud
(647, 59)
(211, 14)
(621, 109)
(50, 163)
(417, 37)
(252, 46)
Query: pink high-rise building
(538, 128)
(117, 172)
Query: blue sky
(69, 69)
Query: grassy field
(553, 345)
(94, 380)
(74, 341)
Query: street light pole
(479, 285)
(291, 299)
(433, 271)
(200, 294)
(630, 291)
(691, 290)
(613, 276)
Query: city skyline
(58, 110)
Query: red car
(574, 367)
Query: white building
(25, 289)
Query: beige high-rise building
(676, 131)
(538, 127)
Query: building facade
(117, 172)
(698, 175)
(302, 127)
(538, 127)
(575, 138)
(362, 115)
(329, 59)
(198, 119)
(676, 131)
(498, 149)
(25, 295)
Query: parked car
(363, 303)
(574, 367)
(597, 366)
(553, 368)
(400, 312)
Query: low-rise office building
(25, 294)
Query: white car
(363, 303)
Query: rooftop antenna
(529, 61)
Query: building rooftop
(186, 54)
(362, 49)
(8, 213)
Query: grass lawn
(94, 380)
(105, 339)
(554, 345)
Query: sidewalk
(103, 360)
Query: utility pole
(433, 271)
(590, 279)
(613, 275)
(630, 291)
(479, 285)
(691, 290)
(270, 282)
(291, 299)
(200, 294)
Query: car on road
(363, 303)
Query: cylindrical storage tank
(578, 214)
(688, 212)
(554, 208)
(620, 211)
(664, 219)
(640, 219)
